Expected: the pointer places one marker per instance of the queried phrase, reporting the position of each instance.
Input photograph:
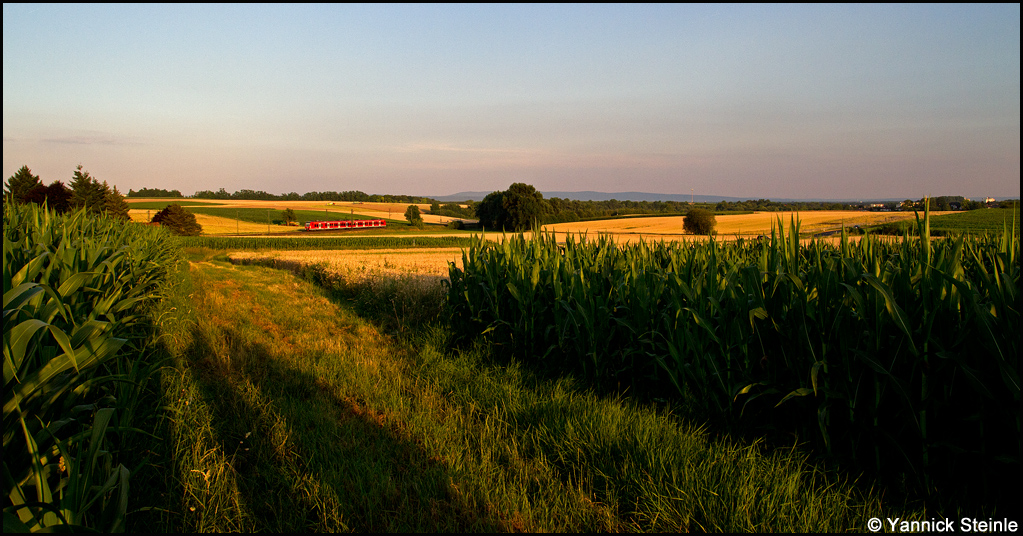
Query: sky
(752, 101)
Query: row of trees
(943, 202)
(154, 192)
(84, 191)
(453, 210)
(766, 205)
(347, 196)
(568, 210)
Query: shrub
(413, 216)
(699, 221)
(178, 220)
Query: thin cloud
(90, 139)
(421, 147)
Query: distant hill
(647, 196)
(600, 196)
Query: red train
(343, 224)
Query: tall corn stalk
(879, 352)
(77, 289)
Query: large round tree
(524, 206)
(515, 209)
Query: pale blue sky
(858, 101)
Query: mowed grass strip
(292, 412)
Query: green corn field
(77, 295)
(894, 357)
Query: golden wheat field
(357, 263)
(729, 225)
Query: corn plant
(900, 357)
(77, 290)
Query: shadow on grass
(306, 457)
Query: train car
(343, 224)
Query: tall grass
(294, 410)
(78, 290)
(900, 358)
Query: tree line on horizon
(943, 202)
(347, 196)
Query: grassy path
(290, 411)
